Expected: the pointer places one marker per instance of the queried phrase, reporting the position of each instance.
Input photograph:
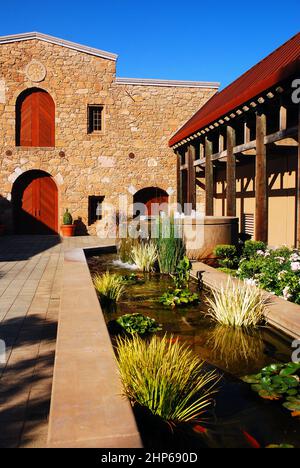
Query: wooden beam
(231, 173)
(298, 183)
(261, 199)
(282, 118)
(192, 176)
(179, 178)
(209, 179)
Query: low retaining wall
(87, 406)
(282, 314)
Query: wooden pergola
(260, 126)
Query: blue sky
(168, 39)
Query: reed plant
(164, 376)
(110, 287)
(170, 246)
(144, 256)
(237, 304)
(125, 249)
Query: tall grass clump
(165, 377)
(144, 256)
(237, 304)
(170, 246)
(125, 249)
(110, 287)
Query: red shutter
(37, 122)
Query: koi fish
(251, 441)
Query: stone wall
(138, 119)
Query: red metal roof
(276, 67)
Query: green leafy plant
(276, 382)
(67, 218)
(138, 323)
(280, 446)
(170, 246)
(251, 247)
(110, 287)
(144, 256)
(179, 297)
(227, 256)
(131, 279)
(237, 304)
(165, 377)
(182, 273)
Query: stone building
(73, 135)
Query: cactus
(67, 218)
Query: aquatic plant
(179, 297)
(165, 377)
(138, 323)
(125, 249)
(144, 256)
(237, 304)
(276, 382)
(110, 287)
(181, 276)
(170, 246)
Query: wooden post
(179, 178)
(231, 173)
(261, 196)
(209, 179)
(191, 177)
(298, 183)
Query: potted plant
(67, 227)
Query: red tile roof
(276, 67)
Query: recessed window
(95, 209)
(95, 117)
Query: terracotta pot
(2, 229)
(68, 230)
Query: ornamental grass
(237, 304)
(164, 376)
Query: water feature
(239, 415)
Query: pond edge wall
(87, 406)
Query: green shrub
(251, 248)
(138, 323)
(165, 377)
(227, 256)
(277, 271)
(110, 287)
(237, 304)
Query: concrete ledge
(87, 406)
(282, 314)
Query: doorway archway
(150, 201)
(35, 204)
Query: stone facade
(138, 118)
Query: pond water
(239, 415)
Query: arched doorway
(150, 201)
(35, 204)
(35, 119)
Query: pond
(239, 417)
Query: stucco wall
(137, 119)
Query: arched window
(35, 119)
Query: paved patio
(30, 281)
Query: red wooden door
(37, 120)
(39, 206)
(159, 200)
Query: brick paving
(30, 281)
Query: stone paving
(30, 281)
